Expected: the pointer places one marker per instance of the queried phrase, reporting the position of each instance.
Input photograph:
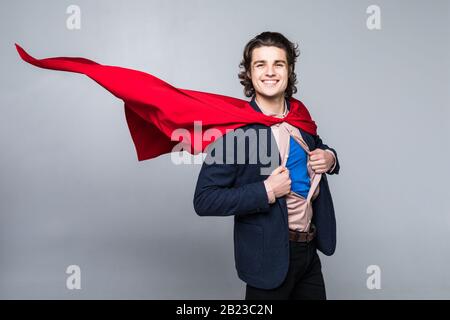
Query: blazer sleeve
(319, 144)
(216, 193)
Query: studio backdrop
(82, 218)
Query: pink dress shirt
(299, 209)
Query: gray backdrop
(73, 193)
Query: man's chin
(271, 95)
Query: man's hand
(279, 181)
(320, 160)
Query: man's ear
(249, 74)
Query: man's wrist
(270, 193)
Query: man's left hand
(320, 160)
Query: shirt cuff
(334, 165)
(270, 193)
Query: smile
(270, 81)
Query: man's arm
(321, 145)
(216, 193)
(216, 196)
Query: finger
(278, 170)
(318, 165)
(316, 157)
(317, 162)
(317, 152)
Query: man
(281, 219)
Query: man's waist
(302, 236)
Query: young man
(281, 219)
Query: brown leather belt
(300, 236)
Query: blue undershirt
(297, 165)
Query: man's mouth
(269, 82)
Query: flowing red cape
(154, 109)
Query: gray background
(73, 192)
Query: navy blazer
(261, 238)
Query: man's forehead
(268, 53)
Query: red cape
(154, 108)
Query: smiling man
(280, 220)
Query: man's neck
(273, 105)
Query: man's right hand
(279, 181)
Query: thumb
(278, 170)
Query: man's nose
(270, 71)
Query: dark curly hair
(274, 39)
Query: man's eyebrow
(264, 61)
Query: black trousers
(304, 279)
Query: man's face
(269, 71)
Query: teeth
(270, 81)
